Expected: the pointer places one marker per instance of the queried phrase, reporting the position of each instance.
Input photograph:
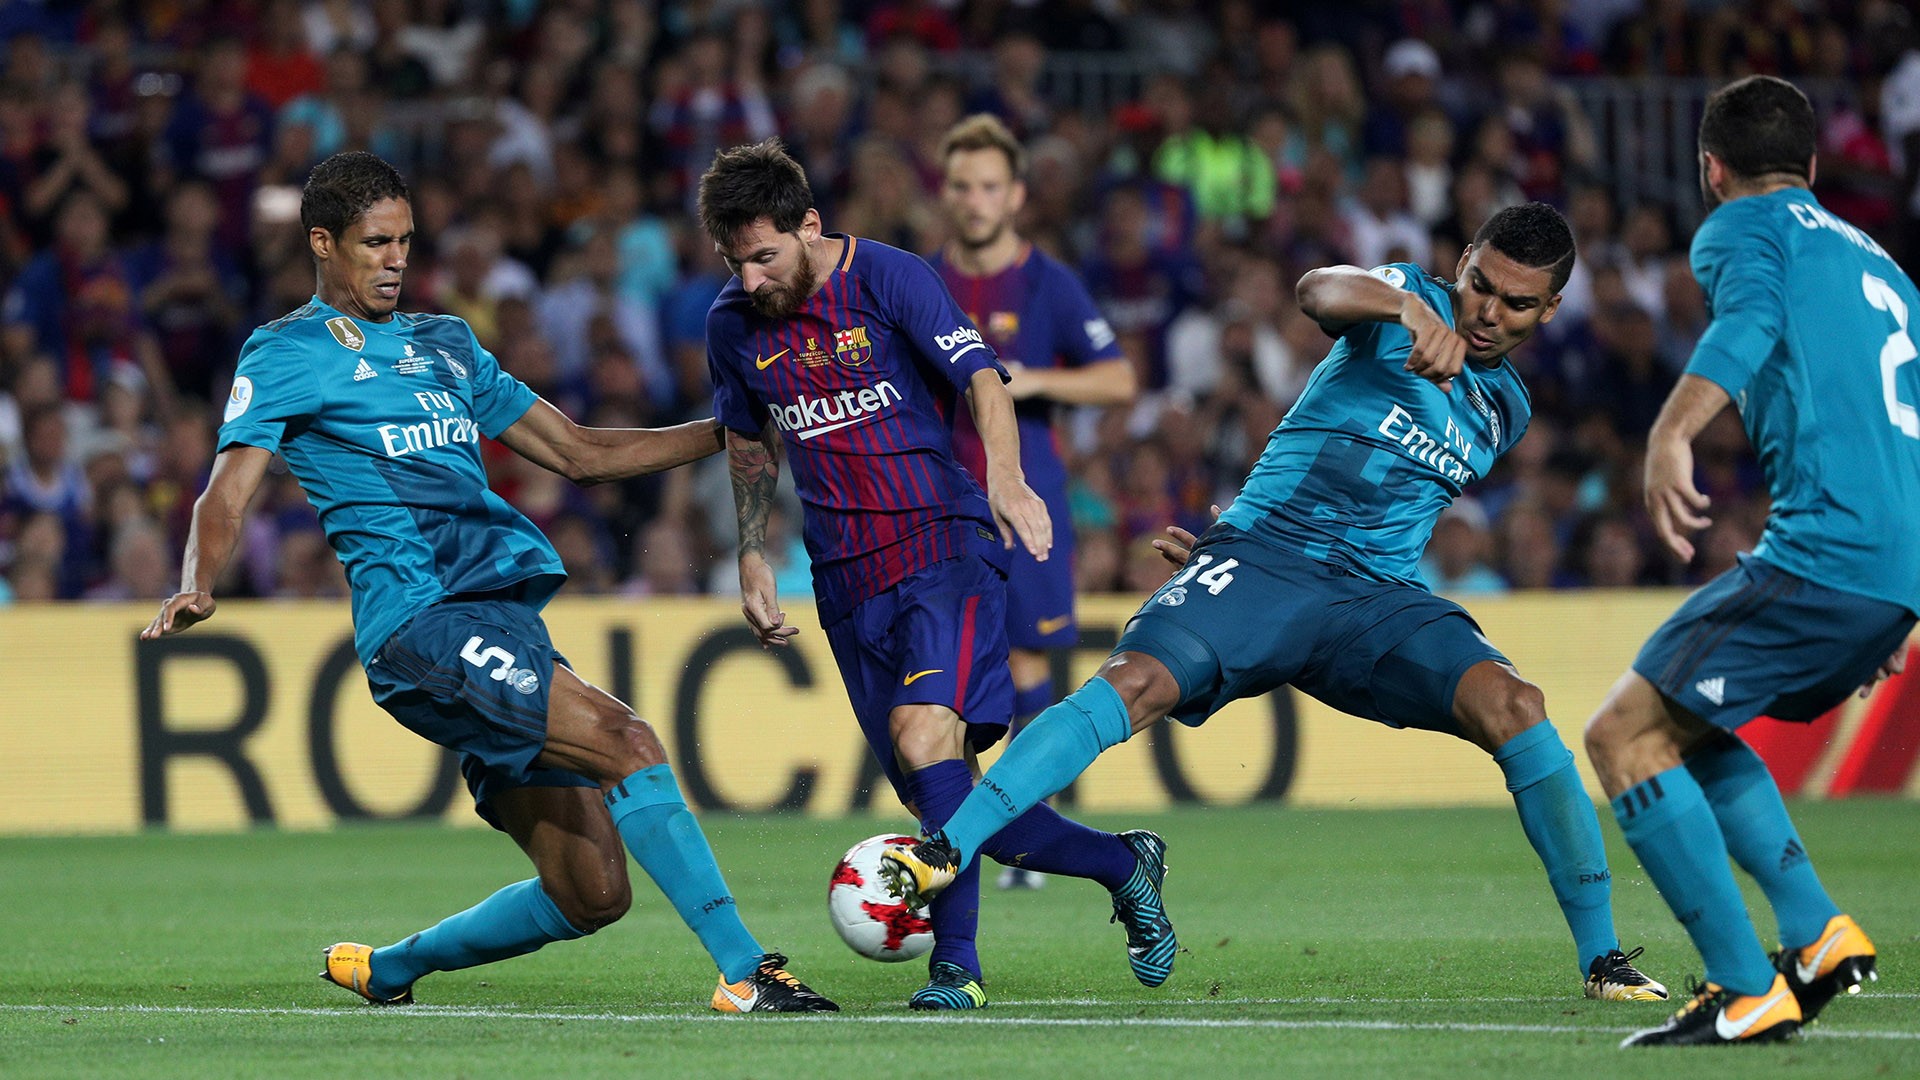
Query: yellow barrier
(262, 716)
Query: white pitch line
(457, 1012)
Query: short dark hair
(345, 186)
(748, 183)
(1760, 125)
(1531, 234)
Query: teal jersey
(1811, 338)
(1362, 465)
(381, 424)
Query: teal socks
(1672, 829)
(666, 840)
(512, 922)
(1761, 838)
(1050, 753)
(1561, 824)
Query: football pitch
(1326, 943)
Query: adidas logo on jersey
(364, 371)
(1714, 689)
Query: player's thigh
(949, 645)
(590, 731)
(1397, 655)
(861, 643)
(1237, 621)
(574, 847)
(1761, 641)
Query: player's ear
(810, 226)
(1017, 198)
(1460, 268)
(1553, 305)
(320, 241)
(1813, 168)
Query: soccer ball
(871, 921)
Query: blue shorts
(1040, 594)
(1245, 618)
(1759, 641)
(473, 676)
(937, 638)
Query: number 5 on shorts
(472, 654)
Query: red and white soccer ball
(872, 922)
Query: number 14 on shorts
(1200, 572)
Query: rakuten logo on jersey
(811, 416)
(962, 341)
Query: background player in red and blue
(854, 355)
(1057, 349)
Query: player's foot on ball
(1137, 905)
(915, 875)
(351, 966)
(1612, 977)
(1716, 1016)
(1837, 962)
(769, 989)
(1019, 877)
(949, 986)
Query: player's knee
(925, 735)
(635, 743)
(1144, 684)
(1512, 707)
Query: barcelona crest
(851, 347)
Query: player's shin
(512, 922)
(666, 840)
(938, 790)
(1670, 827)
(1761, 838)
(1050, 754)
(1561, 824)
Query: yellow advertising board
(262, 716)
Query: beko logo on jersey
(1424, 448)
(403, 439)
(811, 416)
(965, 336)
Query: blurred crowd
(151, 156)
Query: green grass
(1403, 943)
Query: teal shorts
(1244, 618)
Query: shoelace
(773, 967)
(1619, 968)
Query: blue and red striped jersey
(1035, 313)
(861, 383)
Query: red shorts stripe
(964, 668)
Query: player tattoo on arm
(756, 476)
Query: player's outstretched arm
(585, 455)
(1016, 508)
(1678, 508)
(1337, 297)
(217, 517)
(756, 476)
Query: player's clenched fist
(1438, 354)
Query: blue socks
(1050, 754)
(1761, 838)
(1564, 830)
(939, 789)
(1045, 842)
(512, 922)
(1672, 829)
(667, 842)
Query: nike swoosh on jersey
(768, 362)
(908, 681)
(1810, 972)
(1730, 1029)
(1053, 625)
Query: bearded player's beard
(992, 237)
(781, 301)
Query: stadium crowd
(151, 156)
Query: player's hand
(1021, 513)
(180, 611)
(1676, 505)
(1895, 664)
(761, 605)
(1021, 385)
(1179, 549)
(1438, 353)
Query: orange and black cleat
(1717, 1016)
(1837, 962)
(350, 965)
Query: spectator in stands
(1455, 563)
(1412, 73)
(139, 564)
(1379, 226)
(223, 133)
